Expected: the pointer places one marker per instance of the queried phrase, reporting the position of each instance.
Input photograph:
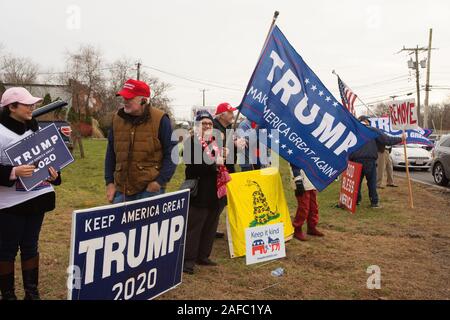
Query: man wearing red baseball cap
(138, 160)
(133, 88)
(224, 107)
(224, 118)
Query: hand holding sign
(39, 156)
(53, 174)
(24, 171)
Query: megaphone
(49, 108)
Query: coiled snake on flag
(261, 208)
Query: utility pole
(418, 84)
(203, 91)
(415, 66)
(427, 85)
(138, 70)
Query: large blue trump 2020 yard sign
(132, 250)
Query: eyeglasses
(29, 106)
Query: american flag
(347, 96)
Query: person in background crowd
(21, 212)
(367, 155)
(307, 205)
(384, 163)
(204, 207)
(223, 121)
(252, 153)
(138, 160)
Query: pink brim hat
(18, 94)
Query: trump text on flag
(315, 132)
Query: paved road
(423, 176)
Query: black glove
(299, 188)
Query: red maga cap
(134, 88)
(224, 107)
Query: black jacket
(229, 163)
(369, 151)
(206, 173)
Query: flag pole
(411, 203)
(334, 72)
(274, 19)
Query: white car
(418, 157)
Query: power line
(397, 94)
(203, 82)
(387, 81)
(415, 65)
(382, 84)
(387, 92)
(382, 93)
(63, 72)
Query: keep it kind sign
(264, 243)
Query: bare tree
(159, 98)
(84, 76)
(18, 70)
(123, 69)
(440, 116)
(50, 76)
(381, 109)
(118, 73)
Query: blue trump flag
(413, 136)
(314, 131)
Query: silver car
(441, 161)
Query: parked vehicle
(441, 161)
(64, 129)
(63, 126)
(418, 157)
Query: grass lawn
(411, 247)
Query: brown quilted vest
(138, 151)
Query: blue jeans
(118, 197)
(369, 170)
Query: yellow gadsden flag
(255, 198)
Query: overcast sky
(218, 42)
